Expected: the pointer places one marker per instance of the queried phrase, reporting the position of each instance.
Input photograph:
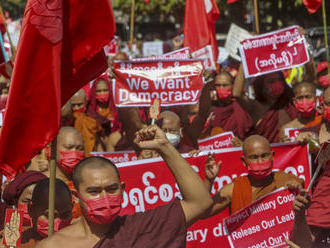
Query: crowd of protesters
(89, 189)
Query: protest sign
(183, 53)
(173, 82)
(292, 133)
(152, 48)
(117, 157)
(235, 36)
(149, 183)
(265, 223)
(223, 140)
(111, 48)
(274, 51)
(206, 54)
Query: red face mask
(306, 107)
(42, 225)
(326, 113)
(260, 170)
(224, 93)
(103, 210)
(324, 81)
(102, 97)
(276, 89)
(69, 159)
(80, 110)
(26, 217)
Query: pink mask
(103, 210)
(26, 217)
(224, 93)
(276, 89)
(260, 170)
(306, 107)
(324, 81)
(69, 159)
(102, 97)
(80, 110)
(42, 225)
(326, 113)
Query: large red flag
(60, 50)
(312, 5)
(199, 26)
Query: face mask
(69, 159)
(224, 93)
(326, 113)
(26, 217)
(306, 107)
(324, 81)
(174, 139)
(42, 225)
(260, 170)
(80, 110)
(276, 89)
(102, 97)
(103, 210)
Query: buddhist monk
(87, 125)
(261, 180)
(321, 132)
(70, 151)
(217, 97)
(103, 110)
(305, 103)
(101, 193)
(38, 210)
(18, 193)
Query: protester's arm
(301, 233)
(239, 83)
(196, 199)
(220, 201)
(205, 103)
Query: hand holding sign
(12, 229)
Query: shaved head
(170, 121)
(68, 130)
(169, 115)
(304, 85)
(91, 163)
(79, 94)
(78, 100)
(68, 139)
(255, 142)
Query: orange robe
(89, 128)
(242, 192)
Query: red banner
(274, 51)
(117, 157)
(183, 53)
(111, 48)
(223, 140)
(149, 183)
(265, 223)
(138, 83)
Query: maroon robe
(233, 118)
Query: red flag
(60, 50)
(312, 5)
(199, 25)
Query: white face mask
(174, 139)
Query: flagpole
(131, 36)
(52, 178)
(324, 15)
(12, 47)
(256, 16)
